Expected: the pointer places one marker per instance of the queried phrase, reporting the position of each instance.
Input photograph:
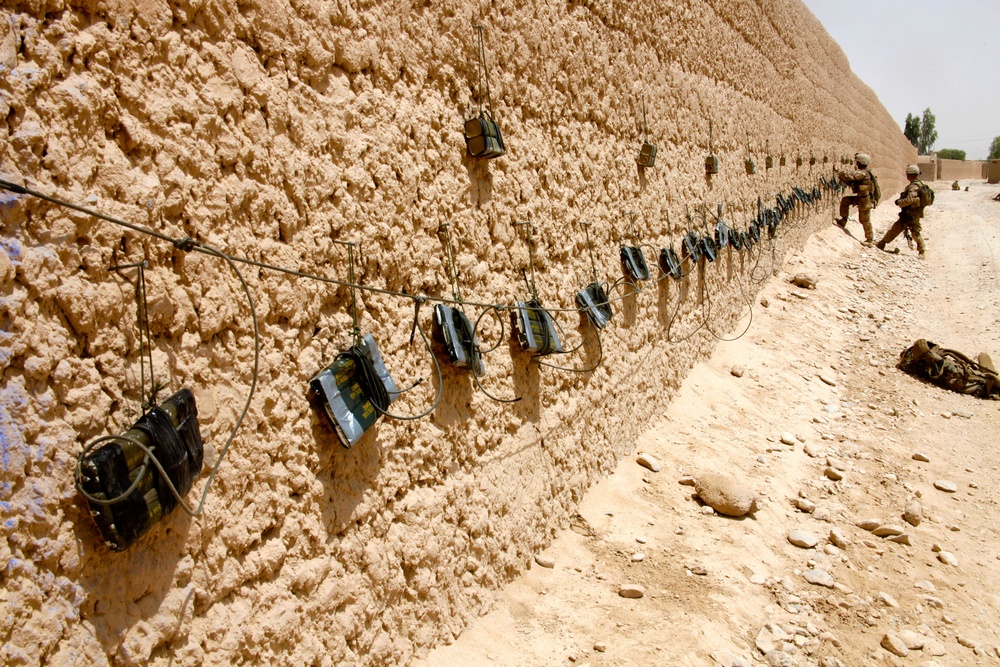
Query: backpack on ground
(950, 369)
(926, 195)
(876, 193)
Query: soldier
(862, 185)
(910, 212)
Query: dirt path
(718, 590)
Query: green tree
(928, 135)
(951, 154)
(911, 129)
(995, 149)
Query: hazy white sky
(915, 54)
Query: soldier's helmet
(912, 170)
(863, 159)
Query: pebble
(935, 648)
(770, 638)
(819, 578)
(925, 585)
(725, 495)
(901, 539)
(945, 485)
(966, 642)
(801, 538)
(779, 659)
(648, 461)
(805, 505)
(638, 557)
(758, 579)
(822, 514)
(831, 550)
(788, 439)
(920, 456)
(727, 659)
(888, 530)
(948, 558)
(833, 474)
(737, 371)
(887, 600)
(894, 644)
(832, 407)
(699, 570)
(545, 561)
(632, 591)
(640, 539)
(868, 524)
(687, 480)
(914, 641)
(913, 514)
(828, 379)
(838, 539)
(600, 647)
(705, 509)
(812, 450)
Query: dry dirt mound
(839, 445)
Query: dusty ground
(868, 306)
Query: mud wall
(951, 170)
(272, 130)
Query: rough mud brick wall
(272, 129)
(951, 170)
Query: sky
(919, 54)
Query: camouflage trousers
(904, 222)
(864, 213)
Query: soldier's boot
(880, 245)
(868, 243)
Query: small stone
(812, 450)
(827, 378)
(805, 505)
(829, 637)
(888, 530)
(687, 480)
(945, 485)
(952, 527)
(833, 474)
(933, 602)
(920, 456)
(545, 561)
(803, 280)
(632, 591)
(699, 570)
(640, 539)
(779, 659)
(819, 578)
(600, 647)
(788, 439)
(727, 659)
(936, 547)
(803, 539)
(831, 550)
(925, 585)
(837, 538)
(822, 514)
(887, 600)
(737, 371)
(966, 642)
(705, 509)
(868, 524)
(828, 661)
(895, 645)
(913, 514)
(765, 303)
(901, 539)
(758, 579)
(947, 558)
(913, 640)
(648, 461)
(638, 557)
(934, 647)
(726, 496)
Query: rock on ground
(725, 495)
(895, 645)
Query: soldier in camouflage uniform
(862, 185)
(910, 212)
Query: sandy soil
(868, 307)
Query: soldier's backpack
(926, 195)
(950, 369)
(876, 193)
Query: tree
(951, 154)
(995, 149)
(911, 129)
(928, 135)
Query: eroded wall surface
(272, 130)
(951, 170)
